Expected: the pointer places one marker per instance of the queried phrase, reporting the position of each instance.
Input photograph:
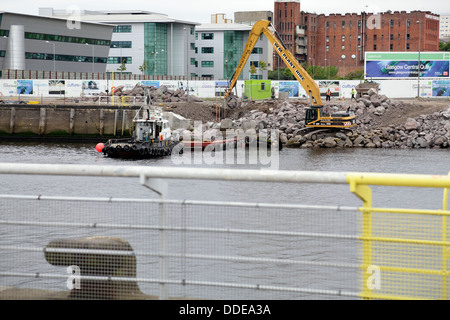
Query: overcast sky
(201, 10)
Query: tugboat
(152, 137)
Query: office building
(146, 42)
(29, 42)
(219, 47)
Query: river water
(340, 160)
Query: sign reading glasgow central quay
(389, 65)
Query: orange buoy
(99, 147)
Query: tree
(354, 75)
(143, 67)
(253, 70)
(444, 46)
(262, 65)
(122, 67)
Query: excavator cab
(311, 115)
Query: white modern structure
(147, 42)
(29, 42)
(219, 47)
(444, 27)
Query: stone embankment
(380, 124)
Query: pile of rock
(137, 94)
(426, 131)
(161, 94)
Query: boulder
(379, 111)
(328, 142)
(411, 124)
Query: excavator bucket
(233, 101)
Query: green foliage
(253, 70)
(444, 46)
(281, 74)
(354, 75)
(122, 67)
(262, 65)
(143, 67)
(320, 73)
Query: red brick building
(287, 17)
(324, 40)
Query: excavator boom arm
(299, 73)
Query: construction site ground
(406, 108)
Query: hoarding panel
(405, 65)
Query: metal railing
(195, 249)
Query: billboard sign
(389, 65)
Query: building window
(255, 64)
(209, 76)
(407, 36)
(391, 22)
(343, 48)
(207, 64)
(120, 44)
(391, 47)
(208, 50)
(61, 57)
(328, 48)
(207, 36)
(328, 39)
(374, 47)
(59, 38)
(119, 60)
(327, 24)
(343, 38)
(193, 62)
(392, 37)
(407, 46)
(122, 29)
(257, 51)
(155, 48)
(343, 24)
(374, 37)
(192, 45)
(408, 22)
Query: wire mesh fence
(60, 247)
(202, 251)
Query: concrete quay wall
(72, 120)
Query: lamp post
(313, 60)
(343, 63)
(418, 64)
(187, 60)
(93, 57)
(54, 54)
(121, 58)
(154, 63)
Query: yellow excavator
(315, 116)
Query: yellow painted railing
(404, 251)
